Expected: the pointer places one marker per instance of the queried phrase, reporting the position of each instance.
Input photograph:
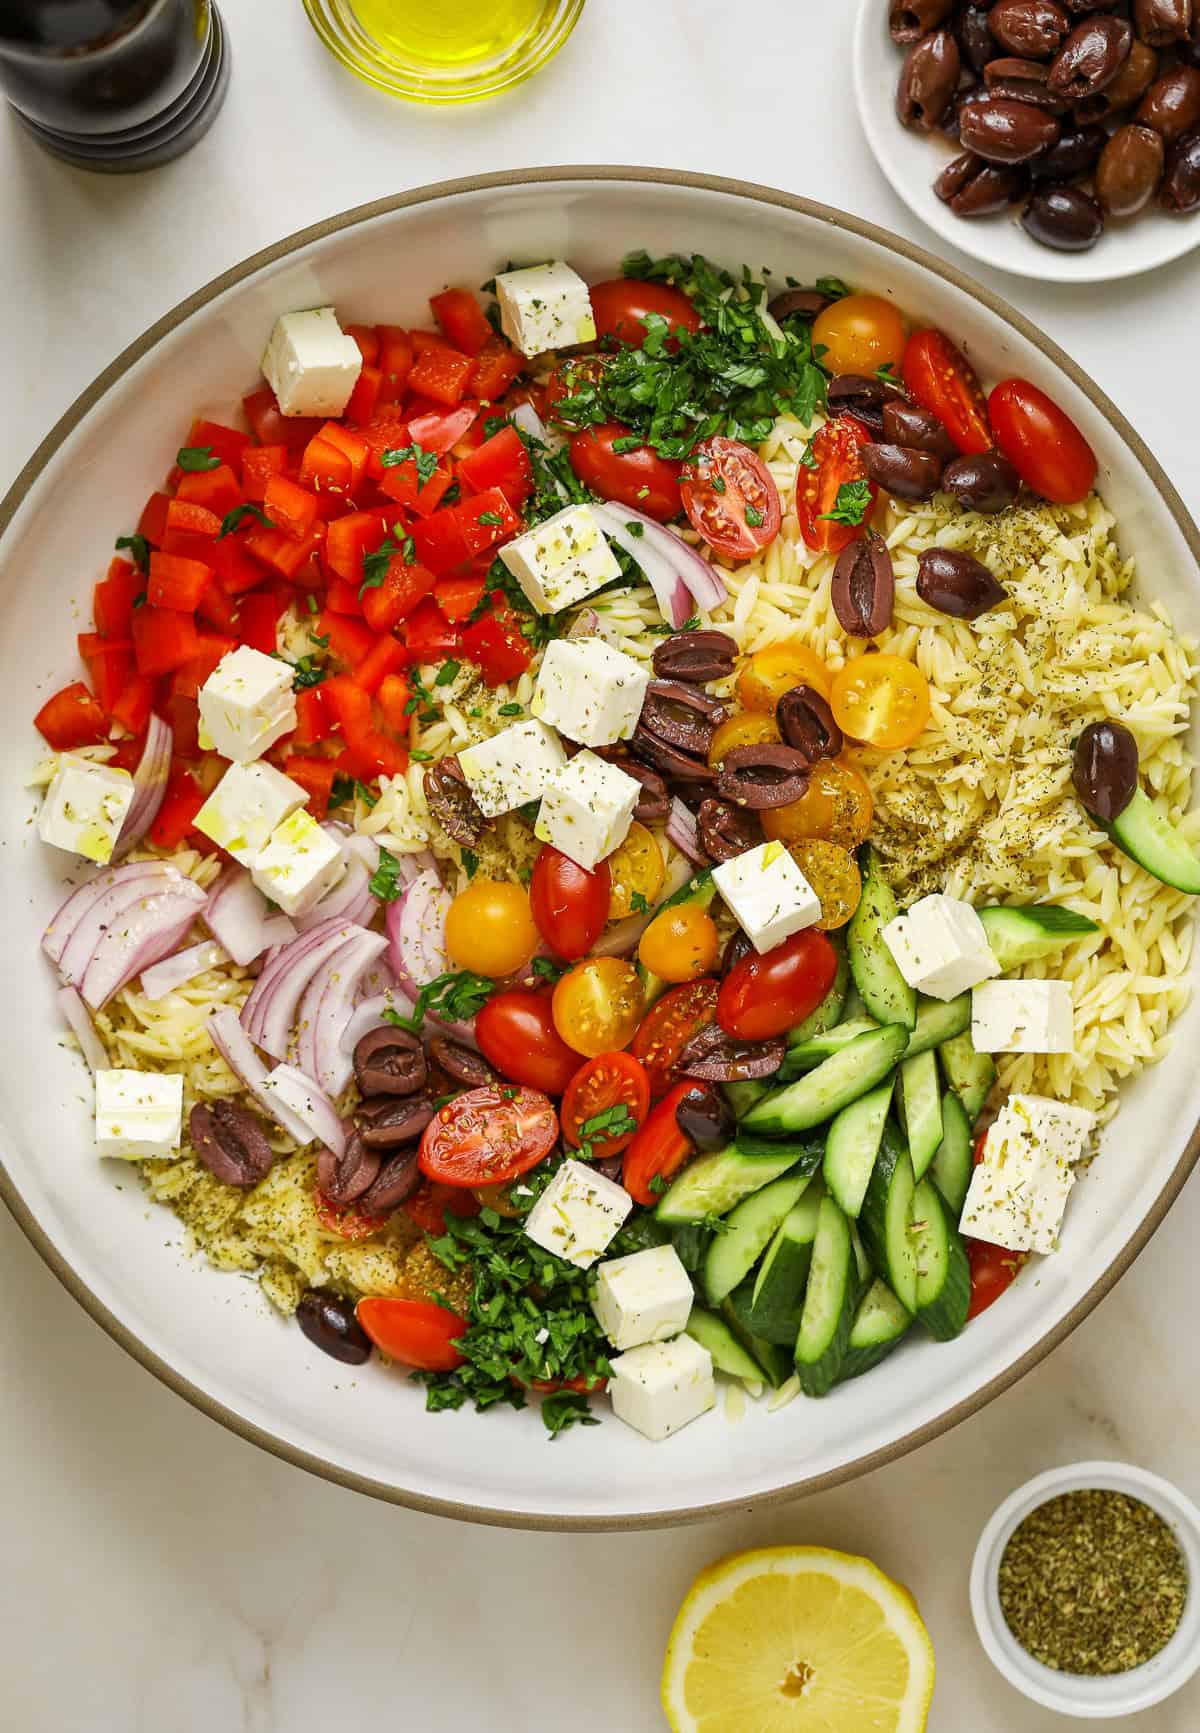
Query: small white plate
(912, 162)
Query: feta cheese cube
(589, 691)
(587, 809)
(310, 364)
(767, 895)
(561, 561)
(85, 806)
(660, 1387)
(1018, 1192)
(298, 865)
(139, 1114)
(1023, 1017)
(940, 947)
(545, 307)
(512, 767)
(246, 704)
(645, 1297)
(578, 1214)
(249, 802)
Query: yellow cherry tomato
(747, 728)
(635, 869)
(882, 700)
(489, 928)
(771, 672)
(836, 806)
(833, 873)
(598, 1005)
(859, 334)
(681, 943)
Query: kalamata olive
(976, 42)
(909, 20)
(345, 1177)
(726, 831)
(904, 471)
(389, 1061)
(1091, 57)
(737, 946)
(1105, 769)
(461, 1063)
(861, 396)
(231, 1142)
(1180, 190)
(1076, 153)
(985, 482)
(1023, 81)
(1128, 87)
(329, 1322)
(1033, 29)
(1161, 22)
(1078, 6)
(1190, 49)
(396, 1181)
(1007, 132)
(654, 802)
(807, 723)
(956, 583)
(951, 126)
(388, 1121)
(1172, 104)
(696, 656)
(720, 1058)
(908, 424)
(1063, 217)
(978, 188)
(863, 587)
(452, 803)
(928, 79)
(671, 761)
(803, 304)
(705, 1117)
(682, 715)
(762, 776)
(1129, 170)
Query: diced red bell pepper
(281, 552)
(217, 489)
(402, 483)
(440, 542)
(355, 450)
(426, 341)
(365, 398)
(153, 522)
(72, 718)
(184, 716)
(109, 664)
(177, 814)
(386, 656)
(441, 374)
(350, 538)
(271, 427)
(132, 709)
(496, 366)
(486, 520)
(292, 509)
(257, 618)
(395, 360)
(427, 637)
(348, 640)
(226, 442)
(439, 430)
(235, 569)
(502, 462)
(342, 598)
(193, 520)
(462, 319)
(187, 545)
(385, 604)
(163, 640)
(368, 750)
(176, 583)
(393, 698)
(259, 464)
(367, 338)
(458, 598)
(325, 465)
(312, 718)
(218, 608)
(497, 644)
(315, 776)
(113, 599)
(211, 647)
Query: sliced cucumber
(774, 1363)
(1017, 936)
(950, 1169)
(937, 1021)
(741, 1096)
(806, 1055)
(886, 1215)
(713, 1184)
(837, 1082)
(728, 1355)
(880, 1324)
(853, 1008)
(829, 1012)
(807, 1152)
(968, 1073)
(747, 1232)
(886, 994)
(777, 1293)
(920, 1098)
(699, 890)
(862, 1262)
(1147, 836)
(852, 1145)
(830, 1300)
(943, 1272)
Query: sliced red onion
(585, 625)
(278, 930)
(81, 901)
(270, 1011)
(326, 1008)
(416, 929)
(684, 832)
(366, 848)
(688, 567)
(233, 1044)
(526, 417)
(349, 900)
(309, 1104)
(118, 924)
(236, 915)
(163, 978)
(379, 978)
(80, 1022)
(368, 1015)
(146, 933)
(149, 785)
(660, 571)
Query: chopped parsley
(233, 520)
(564, 1408)
(754, 517)
(852, 504)
(470, 861)
(139, 547)
(306, 672)
(657, 1184)
(603, 1127)
(385, 882)
(546, 969)
(833, 287)
(196, 457)
(491, 518)
(627, 442)
(513, 709)
(426, 461)
(455, 997)
(637, 903)
(348, 788)
(447, 674)
(375, 565)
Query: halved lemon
(797, 1639)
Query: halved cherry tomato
(639, 478)
(416, 1333)
(680, 944)
(765, 996)
(516, 1034)
(610, 1080)
(572, 378)
(859, 334)
(430, 1204)
(835, 454)
(1041, 442)
(659, 1149)
(941, 379)
(636, 869)
(667, 1028)
(882, 700)
(620, 307)
(345, 1220)
(744, 728)
(489, 1135)
(730, 497)
(597, 1005)
(570, 904)
(769, 673)
(993, 1270)
(833, 873)
(489, 928)
(72, 718)
(837, 806)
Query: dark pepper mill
(114, 85)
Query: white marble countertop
(161, 1575)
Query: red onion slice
(526, 417)
(416, 929)
(270, 1011)
(149, 931)
(309, 1104)
(278, 930)
(149, 784)
(58, 934)
(706, 586)
(684, 832)
(326, 1007)
(236, 915)
(349, 900)
(79, 1021)
(233, 1044)
(368, 1014)
(163, 978)
(660, 571)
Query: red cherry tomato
(430, 1204)
(764, 996)
(941, 379)
(730, 497)
(993, 1269)
(659, 1149)
(835, 450)
(666, 1029)
(488, 1136)
(414, 1332)
(613, 1080)
(516, 1034)
(583, 1386)
(639, 478)
(346, 1221)
(1041, 442)
(572, 378)
(620, 307)
(570, 904)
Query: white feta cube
(767, 895)
(246, 704)
(85, 806)
(561, 561)
(1023, 1017)
(587, 809)
(298, 865)
(940, 947)
(660, 1387)
(645, 1297)
(249, 802)
(1018, 1192)
(545, 307)
(578, 1214)
(310, 364)
(589, 691)
(512, 767)
(139, 1114)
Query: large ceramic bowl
(211, 1337)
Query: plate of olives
(1055, 138)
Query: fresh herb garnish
(470, 861)
(447, 674)
(627, 442)
(233, 520)
(717, 484)
(546, 969)
(808, 456)
(603, 1127)
(139, 547)
(375, 565)
(196, 457)
(426, 461)
(455, 997)
(886, 374)
(833, 287)
(754, 517)
(491, 518)
(306, 673)
(408, 551)
(139, 601)
(657, 1184)
(348, 788)
(852, 504)
(691, 624)
(385, 882)
(564, 1408)
(637, 903)
(513, 709)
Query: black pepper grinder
(114, 85)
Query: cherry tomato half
(1041, 442)
(597, 1005)
(659, 1149)
(730, 497)
(414, 1332)
(487, 1136)
(516, 1034)
(859, 333)
(639, 478)
(680, 944)
(571, 378)
(993, 1270)
(620, 307)
(610, 1080)
(882, 700)
(765, 996)
(835, 453)
(669, 1026)
(570, 904)
(763, 680)
(941, 379)
(429, 1205)
(346, 1221)
(489, 928)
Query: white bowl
(912, 162)
(210, 1336)
(1089, 1699)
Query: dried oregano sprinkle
(1093, 1582)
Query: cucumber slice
(807, 1055)
(712, 1184)
(728, 1355)
(950, 1169)
(773, 1362)
(776, 1297)
(862, 1262)
(921, 1109)
(886, 994)
(968, 1073)
(1022, 935)
(742, 1096)
(886, 1217)
(834, 1084)
(1147, 835)
(853, 1008)
(943, 1272)
(807, 1152)
(830, 1301)
(699, 890)
(852, 1145)
(747, 1231)
(937, 1021)
(829, 1012)
(880, 1324)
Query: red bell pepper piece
(234, 568)
(280, 552)
(439, 430)
(194, 520)
(367, 338)
(217, 489)
(353, 448)
(271, 427)
(113, 599)
(486, 520)
(163, 640)
(177, 583)
(342, 598)
(402, 483)
(315, 776)
(458, 598)
(369, 752)
(259, 464)
(365, 398)
(325, 465)
(153, 522)
(177, 814)
(349, 641)
(385, 657)
(72, 718)
(462, 319)
(292, 509)
(427, 637)
(225, 442)
(312, 718)
(109, 664)
(385, 604)
(211, 647)
(218, 608)
(133, 706)
(395, 360)
(440, 542)
(496, 366)
(184, 716)
(257, 617)
(394, 698)
(350, 538)
(442, 374)
(497, 644)
(502, 462)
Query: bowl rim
(754, 193)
